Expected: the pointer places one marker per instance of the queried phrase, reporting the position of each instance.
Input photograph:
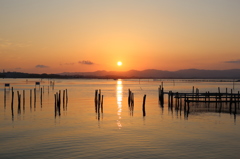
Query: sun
(119, 63)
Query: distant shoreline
(194, 74)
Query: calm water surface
(36, 131)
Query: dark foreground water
(35, 130)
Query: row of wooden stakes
(22, 96)
(98, 100)
(131, 102)
(57, 97)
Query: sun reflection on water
(119, 102)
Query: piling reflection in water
(119, 96)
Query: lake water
(37, 131)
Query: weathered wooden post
(66, 97)
(208, 96)
(132, 99)
(193, 92)
(12, 104)
(162, 95)
(41, 94)
(5, 98)
(19, 102)
(59, 98)
(220, 96)
(23, 100)
(64, 100)
(185, 99)
(169, 98)
(159, 94)
(143, 106)
(172, 99)
(226, 95)
(35, 95)
(12, 98)
(30, 99)
(99, 101)
(102, 105)
(180, 101)
(188, 106)
(176, 99)
(230, 107)
(238, 98)
(55, 104)
(96, 100)
(129, 97)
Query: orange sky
(89, 35)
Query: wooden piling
(19, 102)
(63, 100)
(99, 101)
(129, 97)
(102, 105)
(41, 94)
(95, 100)
(159, 93)
(55, 104)
(30, 99)
(143, 105)
(162, 95)
(66, 97)
(238, 98)
(12, 104)
(59, 98)
(12, 98)
(35, 95)
(185, 99)
(168, 99)
(193, 92)
(132, 99)
(231, 100)
(23, 100)
(5, 98)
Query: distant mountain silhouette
(153, 73)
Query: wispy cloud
(233, 61)
(86, 62)
(41, 66)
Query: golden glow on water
(119, 102)
(115, 132)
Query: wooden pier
(183, 100)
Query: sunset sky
(54, 36)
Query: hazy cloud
(41, 66)
(86, 62)
(234, 61)
(18, 68)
